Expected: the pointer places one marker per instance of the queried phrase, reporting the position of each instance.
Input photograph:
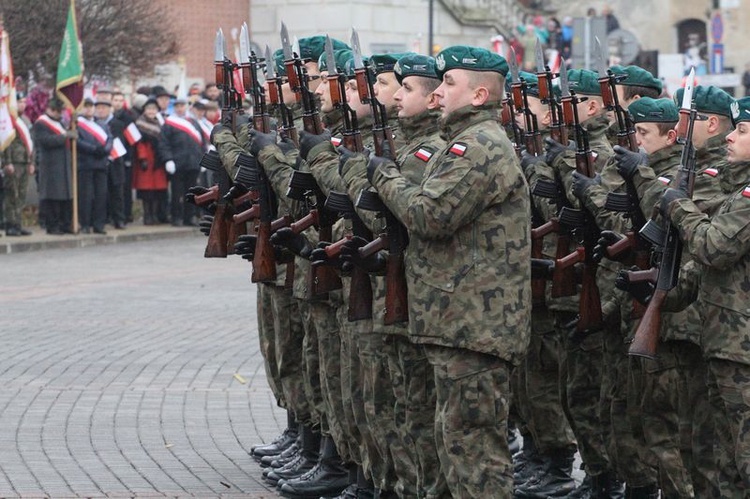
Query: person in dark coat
(116, 167)
(181, 147)
(124, 117)
(55, 175)
(149, 176)
(94, 145)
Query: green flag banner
(70, 65)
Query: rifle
(647, 334)
(563, 280)
(360, 291)
(590, 309)
(321, 278)
(352, 137)
(381, 132)
(627, 202)
(298, 78)
(218, 245)
(395, 239)
(287, 130)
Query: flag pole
(74, 168)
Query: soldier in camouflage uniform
(633, 83)
(17, 167)
(719, 245)
(549, 444)
(467, 270)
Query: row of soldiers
(384, 405)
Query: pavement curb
(39, 242)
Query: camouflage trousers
(267, 338)
(14, 195)
(471, 421)
(379, 401)
(289, 335)
(329, 352)
(620, 413)
(581, 393)
(351, 387)
(663, 392)
(311, 368)
(539, 394)
(729, 392)
(696, 420)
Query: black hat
(151, 100)
(88, 102)
(160, 91)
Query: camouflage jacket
(721, 245)
(467, 264)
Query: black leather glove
(529, 160)
(309, 140)
(260, 140)
(642, 291)
(219, 127)
(628, 161)
(235, 191)
(606, 239)
(245, 246)
(143, 164)
(344, 156)
(374, 163)
(296, 243)
(581, 184)
(554, 149)
(319, 256)
(542, 268)
(374, 264)
(205, 223)
(196, 190)
(286, 145)
(670, 195)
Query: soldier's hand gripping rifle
(360, 290)
(590, 309)
(395, 239)
(563, 280)
(647, 334)
(322, 278)
(381, 132)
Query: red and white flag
(132, 134)
(118, 149)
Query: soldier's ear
(481, 94)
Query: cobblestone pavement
(130, 370)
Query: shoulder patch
(711, 171)
(746, 192)
(458, 149)
(424, 154)
(664, 180)
(335, 141)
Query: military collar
(597, 127)
(466, 116)
(733, 175)
(660, 160)
(421, 125)
(334, 119)
(712, 146)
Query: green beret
(415, 65)
(278, 61)
(311, 47)
(584, 82)
(637, 77)
(711, 100)
(340, 57)
(349, 66)
(740, 110)
(384, 63)
(471, 58)
(648, 110)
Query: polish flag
(118, 149)
(132, 134)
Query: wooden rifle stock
(247, 215)
(264, 260)
(281, 222)
(646, 336)
(305, 222)
(590, 307)
(642, 260)
(207, 197)
(628, 242)
(563, 279)
(333, 250)
(217, 245)
(396, 301)
(378, 244)
(325, 278)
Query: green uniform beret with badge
(636, 76)
(470, 58)
(341, 57)
(648, 110)
(710, 100)
(584, 82)
(740, 110)
(385, 63)
(415, 65)
(311, 47)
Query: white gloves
(171, 167)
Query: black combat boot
(305, 460)
(279, 460)
(328, 478)
(553, 480)
(350, 492)
(280, 443)
(365, 487)
(527, 463)
(607, 486)
(647, 492)
(585, 490)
